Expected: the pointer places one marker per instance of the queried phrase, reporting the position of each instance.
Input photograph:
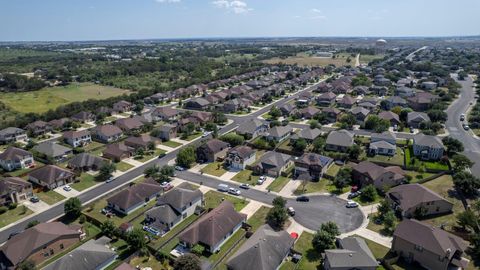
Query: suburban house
(122, 106)
(167, 132)
(107, 133)
(212, 150)
(252, 129)
(134, 197)
(415, 118)
(404, 92)
(166, 114)
(392, 117)
(173, 207)
(352, 253)
(94, 254)
(288, 109)
(309, 112)
(326, 99)
(427, 147)
(360, 113)
(311, 166)
(12, 134)
(15, 158)
(422, 101)
(431, 247)
(38, 128)
(83, 117)
(395, 101)
(415, 200)
(383, 143)
(279, 133)
(117, 151)
(53, 150)
(14, 190)
(86, 162)
(77, 138)
(129, 124)
(39, 243)
(239, 157)
(346, 102)
(51, 176)
(213, 229)
(265, 249)
(197, 104)
(273, 164)
(339, 140)
(331, 114)
(368, 173)
(307, 134)
(143, 141)
(429, 85)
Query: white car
(234, 191)
(110, 179)
(245, 186)
(205, 134)
(179, 168)
(67, 188)
(351, 204)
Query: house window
(51, 251)
(418, 248)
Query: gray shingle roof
(340, 138)
(354, 254)
(52, 149)
(427, 140)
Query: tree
(347, 121)
(468, 220)
(377, 124)
(314, 124)
(213, 128)
(299, 145)
(186, 157)
(277, 215)
(152, 172)
(354, 151)
(325, 237)
(467, 183)
(369, 193)
(361, 80)
(136, 239)
(382, 208)
(32, 223)
(138, 107)
(389, 221)
(461, 162)
(27, 265)
(453, 145)
(233, 139)
(187, 262)
(343, 177)
(106, 171)
(108, 228)
(73, 208)
(219, 118)
(275, 112)
(318, 145)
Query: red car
(354, 189)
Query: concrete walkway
(375, 237)
(289, 189)
(251, 208)
(133, 162)
(264, 186)
(36, 207)
(296, 227)
(164, 147)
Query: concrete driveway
(67, 194)
(36, 207)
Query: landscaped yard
(324, 185)
(86, 181)
(443, 185)
(418, 176)
(378, 250)
(20, 173)
(214, 198)
(13, 215)
(214, 168)
(50, 197)
(258, 219)
(92, 146)
(51, 97)
(123, 166)
(192, 136)
(151, 155)
(413, 162)
(333, 170)
(172, 144)
(310, 257)
(397, 159)
(278, 184)
(157, 243)
(246, 176)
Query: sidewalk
(289, 189)
(375, 237)
(251, 208)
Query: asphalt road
(311, 214)
(454, 125)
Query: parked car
(261, 180)
(67, 188)
(205, 134)
(234, 191)
(291, 211)
(110, 179)
(245, 186)
(354, 194)
(34, 199)
(351, 204)
(466, 127)
(166, 186)
(303, 199)
(179, 168)
(223, 188)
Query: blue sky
(143, 19)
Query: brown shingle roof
(50, 173)
(13, 153)
(411, 195)
(135, 194)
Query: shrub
(12, 206)
(3, 209)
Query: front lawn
(172, 144)
(246, 176)
(123, 166)
(259, 218)
(192, 136)
(323, 185)
(414, 163)
(50, 197)
(86, 181)
(214, 198)
(333, 170)
(310, 257)
(157, 243)
(13, 215)
(397, 159)
(214, 168)
(278, 184)
(378, 250)
(148, 262)
(150, 155)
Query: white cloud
(235, 6)
(168, 1)
(316, 10)
(317, 14)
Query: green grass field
(50, 197)
(52, 97)
(278, 184)
(214, 198)
(14, 215)
(172, 144)
(215, 169)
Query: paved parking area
(36, 207)
(67, 194)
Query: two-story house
(77, 138)
(15, 158)
(427, 147)
(12, 134)
(239, 157)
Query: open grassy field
(367, 58)
(303, 59)
(52, 97)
